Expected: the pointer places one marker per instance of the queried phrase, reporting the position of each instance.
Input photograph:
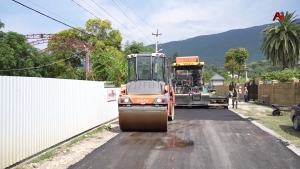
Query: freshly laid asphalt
(197, 138)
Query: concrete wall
(286, 93)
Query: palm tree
(281, 44)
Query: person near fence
(240, 93)
(235, 97)
(246, 94)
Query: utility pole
(156, 34)
(246, 72)
(87, 62)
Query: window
(158, 69)
(144, 68)
(131, 69)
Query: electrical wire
(37, 66)
(95, 15)
(52, 18)
(51, 12)
(130, 19)
(135, 12)
(116, 20)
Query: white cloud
(175, 19)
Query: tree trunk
(232, 75)
(239, 74)
(284, 61)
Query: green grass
(281, 125)
(50, 154)
(89, 135)
(45, 156)
(75, 141)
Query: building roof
(217, 77)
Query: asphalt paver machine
(188, 82)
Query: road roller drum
(143, 118)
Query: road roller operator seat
(145, 75)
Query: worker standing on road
(240, 93)
(235, 97)
(246, 94)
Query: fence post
(273, 97)
(259, 90)
(294, 80)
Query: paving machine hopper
(146, 102)
(188, 79)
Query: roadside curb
(287, 143)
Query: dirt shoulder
(280, 127)
(73, 151)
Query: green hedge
(282, 76)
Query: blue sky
(175, 19)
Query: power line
(116, 20)
(37, 66)
(51, 12)
(135, 12)
(52, 18)
(129, 18)
(55, 19)
(85, 9)
(95, 15)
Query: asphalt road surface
(197, 138)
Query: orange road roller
(146, 102)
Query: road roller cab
(146, 102)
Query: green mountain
(212, 48)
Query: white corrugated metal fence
(37, 113)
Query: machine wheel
(225, 107)
(296, 124)
(276, 113)
(171, 118)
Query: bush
(282, 76)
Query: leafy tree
(18, 58)
(241, 55)
(230, 63)
(1, 24)
(235, 60)
(62, 47)
(225, 75)
(136, 47)
(175, 55)
(208, 75)
(107, 61)
(281, 43)
(111, 68)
